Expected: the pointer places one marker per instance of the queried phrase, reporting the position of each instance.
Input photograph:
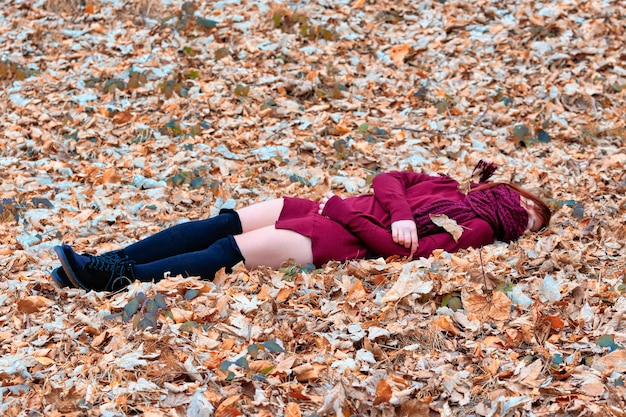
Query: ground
(122, 118)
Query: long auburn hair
(542, 208)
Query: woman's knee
(260, 215)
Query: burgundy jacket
(397, 195)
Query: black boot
(109, 272)
(60, 277)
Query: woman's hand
(404, 232)
(324, 200)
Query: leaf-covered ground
(121, 118)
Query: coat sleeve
(364, 226)
(389, 191)
(380, 242)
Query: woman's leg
(271, 247)
(197, 235)
(265, 246)
(260, 215)
(182, 238)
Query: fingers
(404, 232)
(327, 196)
(403, 238)
(414, 242)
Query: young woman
(394, 220)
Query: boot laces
(118, 266)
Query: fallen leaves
(121, 118)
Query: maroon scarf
(499, 206)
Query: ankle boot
(61, 278)
(186, 237)
(109, 272)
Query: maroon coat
(359, 227)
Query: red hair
(542, 208)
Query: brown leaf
(122, 117)
(446, 323)
(415, 408)
(109, 176)
(308, 372)
(32, 304)
(383, 392)
(399, 52)
(495, 306)
(356, 293)
(292, 410)
(283, 294)
(296, 392)
(334, 401)
(448, 224)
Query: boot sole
(59, 276)
(67, 267)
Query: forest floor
(120, 118)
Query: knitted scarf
(499, 206)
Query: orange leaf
(341, 130)
(383, 392)
(122, 117)
(109, 176)
(446, 323)
(283, 294)
(264, 294)
(295, 392)
(90, 8)
(358, 4)
(556, 323)
(32, 304)
(308, 371)
(292, 410)
(356, 293)
(398, 53)
(227, 412)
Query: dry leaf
(383, 392)
(105, 143)
(334, 401)
(292, 410)
(283, 294)
(399, 52)
(356, 293)
(408, 283)
(492, 307)
(448, 224)
(32, 304)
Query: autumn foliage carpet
(119, 118)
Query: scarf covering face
(499, 206)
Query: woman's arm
(389, 191)
(380, 241)
(364, 226)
